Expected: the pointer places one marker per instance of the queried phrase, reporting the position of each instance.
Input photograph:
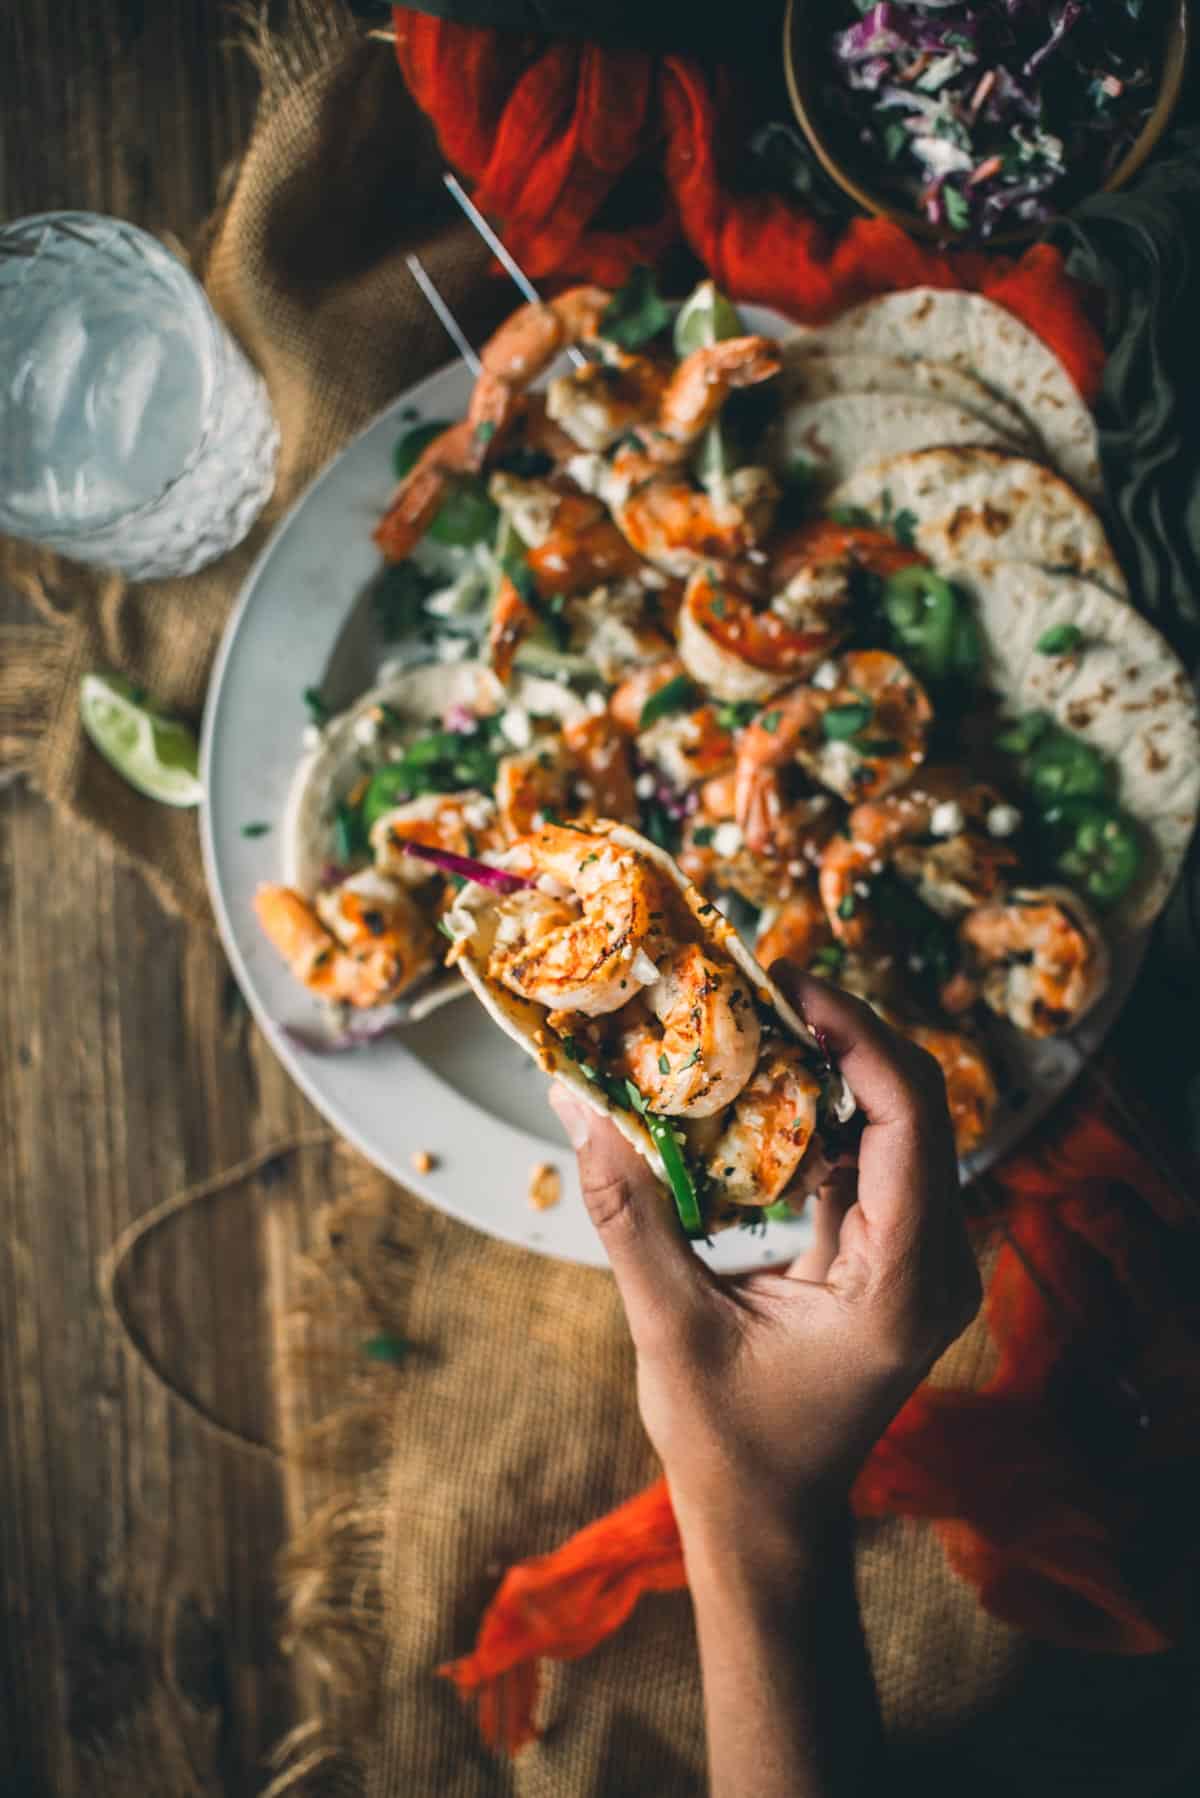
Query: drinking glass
(133, 431)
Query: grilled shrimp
(532, 784)
(677, 526)
(882, 718)
(741, 650)
(934, 834)
(363, 943)
(1040, 958)
(697, 390)
(586, 938)
(794, 930)
(600, 762)
(525, 344)
(602, 401)
(688, 745)
(768, 1130)
(697, 1049)
(419, 496)
(573, 547)
(465, 823)
(970, 1083)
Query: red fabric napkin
(546, 130)
(1053, 1488)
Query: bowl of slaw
(980, 120)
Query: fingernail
(574, 1117)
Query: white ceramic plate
(453, 1085)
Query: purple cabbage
(1026, 113)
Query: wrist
(744, 1539)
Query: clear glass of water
(134, 434)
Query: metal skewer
(502, 255)
(453, 329)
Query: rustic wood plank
(135, 1552)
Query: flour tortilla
(422, 695)
(987, 341)
(325, 777)
(472, 920)
(830, 433)
(812, 372)
(975, 506)
(1124, 691)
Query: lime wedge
(156, 755)
(705, 317)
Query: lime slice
(706, 316)
(156, 755)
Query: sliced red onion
(465, 866)
(358, 1032)
(460, 719)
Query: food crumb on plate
(423, 1162)
(545, 1186)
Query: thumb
(658, 1276)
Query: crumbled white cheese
(366, 730)
(553, 889)
(587, 471)
(863, 889)
(516, 726)
(727, 838)
(1002, 820)
(839, 763)
(371, 884)
(644, 970)
(478, 814)
(596, 704)
(826, 676)
(644, 786)
(946, 820)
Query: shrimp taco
(438, 755)
(593, 952)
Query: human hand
(763, 1394)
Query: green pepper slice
(388, 788)
(679, 1179)
(1064, 767)
(923, 611)
(1096, 847)
(466, 515)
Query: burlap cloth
(512, 1419)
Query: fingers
(655, 1270)
(907, 1165)
(826, 1209)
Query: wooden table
(136, 1553)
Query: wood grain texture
(138, 1616)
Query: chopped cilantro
(664, 1066)
(847, 906)
(636, 313)
(318, 711)
(904, 527)
(770, 721)
(676, 695)
(702, 835)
